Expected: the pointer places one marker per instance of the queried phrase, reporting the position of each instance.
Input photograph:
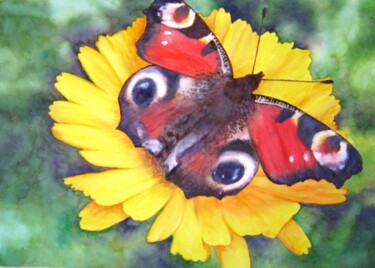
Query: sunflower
(133, 186)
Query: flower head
(133, 186)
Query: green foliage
(39, 215)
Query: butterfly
(208, 129)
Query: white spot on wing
(167, 17)
(167, 32)
(208, 38)
(181, 146)
(306, 156)
(171, 162)
(164, 43)
(297, 114)
(291, 159)
(154, 146)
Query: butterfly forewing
(177, 39)
(293, 146)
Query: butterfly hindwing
(213, 166)
(293, 146)
(176, 38)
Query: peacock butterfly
(207, 128)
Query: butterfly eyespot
(176, 15)
(330, 150)
(144, 92)
(334, 142)
(145, 87)
(181, 13)
(228, 173)
(235, 167)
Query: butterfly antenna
(326, 81)
(264, 13)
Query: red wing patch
(156, 118)
(278, 144)
(293, 146)
(177, 39)
(171, 49)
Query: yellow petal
(168, 219)
(235, 255)
(281, 60)
(121, 52)
(137, 29)
(119, 158)
(127, 52)
(214, 228)
(273, 211)
(85, 137)
(113, 186)
(265, 214)
(219, 22)
(294, 238)
(240, 217)
(310, 191)
(148, 203)
(210, 20)
(71, 113)
(187, 239)
(96, 217)
(99, 70)
(111, 53)
(81, 91)
(240, 45)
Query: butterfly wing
(293, 146)
(212, 165)
(154, 103)
(176, 38)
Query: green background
(39, 214)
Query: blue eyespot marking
(228, 172)
(144, 92)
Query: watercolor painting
(110, 162)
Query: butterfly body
(207, 128)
